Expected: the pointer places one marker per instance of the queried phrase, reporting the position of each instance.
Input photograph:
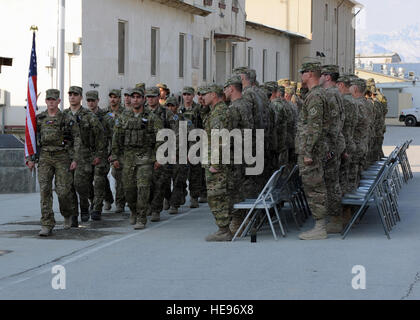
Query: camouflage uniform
(335, 118)
(384, 104)
(218, 183)
(90, 143)
(195, 172)
(161, 177)
(311, 143)
(292, 119)
(56, 152)
(134, 141)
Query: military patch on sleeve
(50, 122)
(111, 114)
(190, 123)
(176, 117)
(313, 112)
(117, 122)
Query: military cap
(330, 69)
(271, 86)
(290, 90)
(92, 95)
(212, 88)
(127, 92)
(162, 86)
(233, 80)
(370, 82)
(139, 91)
(141, 85)
(172, 100)
(310, 67)
(293, 84)
(52, 94)
(240, 70)
(115, 92)
(200, 90)
(188, 90)
(284, 82)
(152, 92)
(75, 89)
(345, 78)
(358, 82)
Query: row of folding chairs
(283, 189)
(380, 187)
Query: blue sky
(384, 16)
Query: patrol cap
(271, 86)
(233, 80)
(250, 73)
(162, 86)
(370, 82)
(240, 70)
(115, 92)
(290, 90)
(172, 100)
(75, 89)
(139, 91)
(127, 92)
(358, 82)
(200, 90)
(284, 82)
(310, 67)
(52, 94)
(151, 92)
(345, 78)
(92, 95)
(188, 90)
(212, 88)
(141, 85)
(330, 69)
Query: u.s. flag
(31, 107)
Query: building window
(233, 56)
(235, 6)
(277, 65)
(208, 2)
(205, 53)
(222, 4)
(250, 57)
(264, 66)
(326, 12)
(154, 51)
(181, 55)
(121, 46)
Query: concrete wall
(14, 175)
(273, 43)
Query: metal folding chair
(265, 201)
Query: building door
(223, 61)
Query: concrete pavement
(171, 260)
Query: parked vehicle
(411, 117)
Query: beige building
(327, 26)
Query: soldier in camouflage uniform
(102, 191)
(337, 145)
(292, 119)
(191, 113)
(134, 141)
(178, 172)
(362, 131)
(57, 158)
(127, 99)
(241, 116)
(218, 174)
(164, 93)
(261, 116)
(384, 103)
(90, 143)
(115, 112)
(351, 119)
(312, 149)
(161, 177)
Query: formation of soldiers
(332, 126)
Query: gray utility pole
(62, 36)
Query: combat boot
(319, 232)
(133, 218)
(166, 205)
(74, 222)
(203, 200)
(223, 234)
(139, 225)
(107, 206)
(119, 209)
(85, 216)
(194, 203)
(155, 217)
(335, 225)
(45, 232)
(67, 223)
(96, 216)
(173, 210)
(235, 224)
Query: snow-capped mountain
(405, 42)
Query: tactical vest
(53, 132)
(137, 133)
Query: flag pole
(62, 35)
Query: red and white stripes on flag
(31, 107)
